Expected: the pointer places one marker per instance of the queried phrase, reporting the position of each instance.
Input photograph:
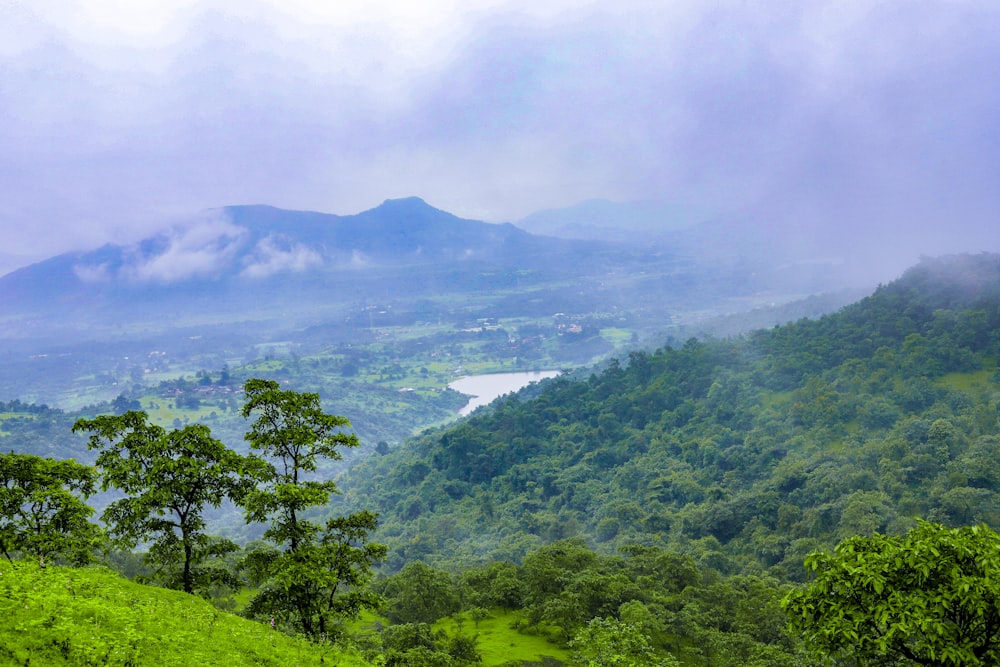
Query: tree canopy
(41, 513)
(931, 597)
(314, 572)
(169, 478)
(748, 453)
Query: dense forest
(661, 510)
(746, 453)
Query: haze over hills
(260, 263)
(248, 243)
(242, 283)
(620, 222)
(746, 453)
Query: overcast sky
(119, 116)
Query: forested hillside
(746, 453)
(658, 512)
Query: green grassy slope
(83, 617)
(498, 641)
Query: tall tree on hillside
(931, 597)
(315, 572)
(41, 514)
(168, 479)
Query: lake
(485, 388)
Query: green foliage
(40, 430)
(498, 585)
(90, 617)
(168, 478)
(746, 453)
(41, 514)
(292, 430)
(314, 574)
(931, 597)
(659, 603)
(608, 642)
(420, 594)
(419, 645)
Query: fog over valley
(500, 333)
(863, 133)
(269, 181)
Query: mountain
(618, 222)
(400, 282)
(747, 453)
(279, 270)
(247, 243)
(399, 231)
(254, 262)
(775, 254)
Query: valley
(717, 430)
(667, 495)
(499, 334)
(380, 338)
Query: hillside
(91, 616)
(260, 262)
(378, 311)
(670, 497)
(747, 453)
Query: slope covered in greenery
(747, 453)
(91, 616)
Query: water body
(485, 388)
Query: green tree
(498, 585)
(314, 573)
(420, 594)
(168, 479)
(931, 597)
(40, 513)
(418, 645)
(607, 642)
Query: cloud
(273, 254)
(93, 273)
(826, 118)
(201, 249)
(359, 260)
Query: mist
(861, 132)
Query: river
(485, 388)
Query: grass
(167, 410)
(975, 381)
(616, 336)
(14, 415)
(91, 616)
(498, 642)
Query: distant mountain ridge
(617, 222)
(663, 225)
(265, 265)
(258, 241)
(227, 253)
(398, 230)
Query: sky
(830, 120)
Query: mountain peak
(405, 204)
(408, 211)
